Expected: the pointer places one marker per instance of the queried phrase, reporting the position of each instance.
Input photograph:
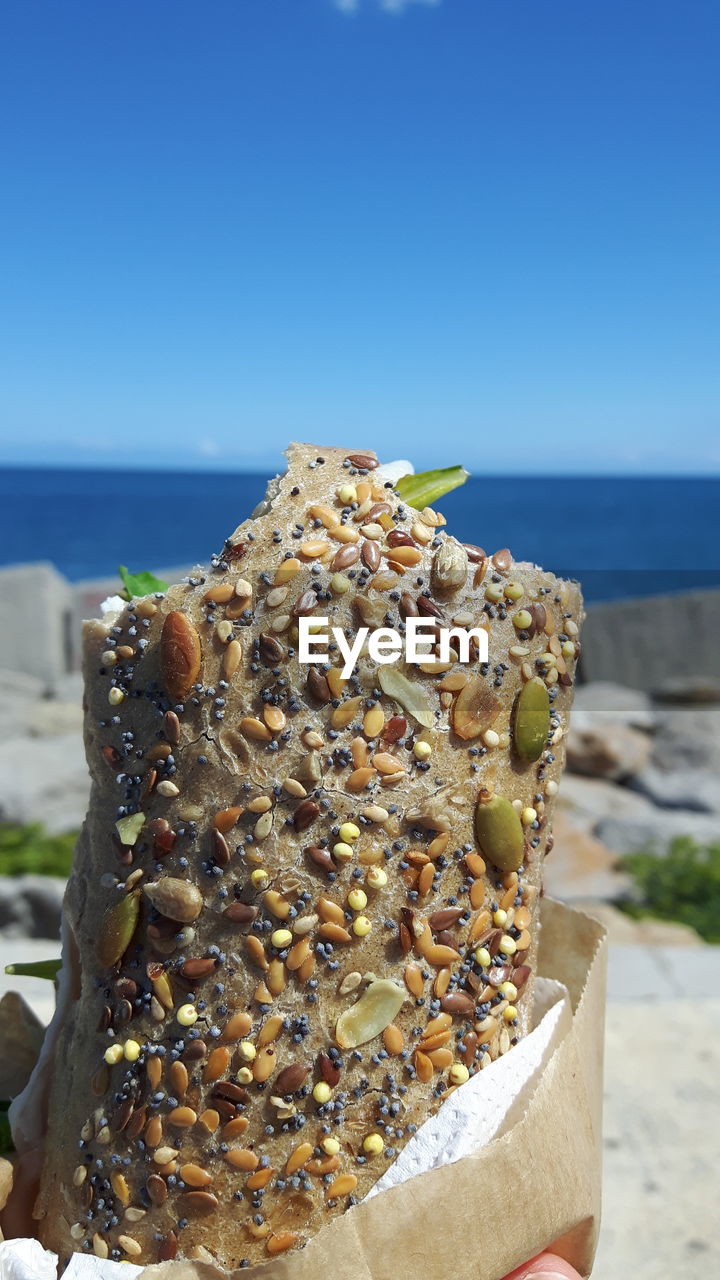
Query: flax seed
(241, 1158)
(414, 980)
(342, 1186)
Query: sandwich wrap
(304, 906)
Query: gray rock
(689, 689)
(580, 868)
(656, 830)
(50, 717)
(625, 819)
(21, 1036)
(69, 688)
(27, 709)
(30, 906)
(605, 701)
(18, 694)
(688, 737)
(693, 789)
(44, 780)
(588, 801)
(606, 750)
(19, 684)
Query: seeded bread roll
(303, 908)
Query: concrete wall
(36, 621)
(648, 642)
(41, 615)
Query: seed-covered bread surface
(303, 908)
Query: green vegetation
(683, 886)
(29, 849)
(139, 584)
(426, 487)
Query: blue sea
(620, 536)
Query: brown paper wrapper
(536, 1186)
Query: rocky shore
(640, 772)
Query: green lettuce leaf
(140, 584)
(423, 489)
(35, 969)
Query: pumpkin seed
(410, 696)
(499, 832)
(117, 929)
(129, 828)
(476, 708)
(532, 720)
(371, 1014)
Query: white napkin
(490, 1101)
(27, 1260)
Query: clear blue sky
(462, 230)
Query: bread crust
(230, 895)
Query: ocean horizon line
(256, 469)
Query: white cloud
(209, 448)
(398, 6)
(388, 6)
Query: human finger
(546, 1266)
